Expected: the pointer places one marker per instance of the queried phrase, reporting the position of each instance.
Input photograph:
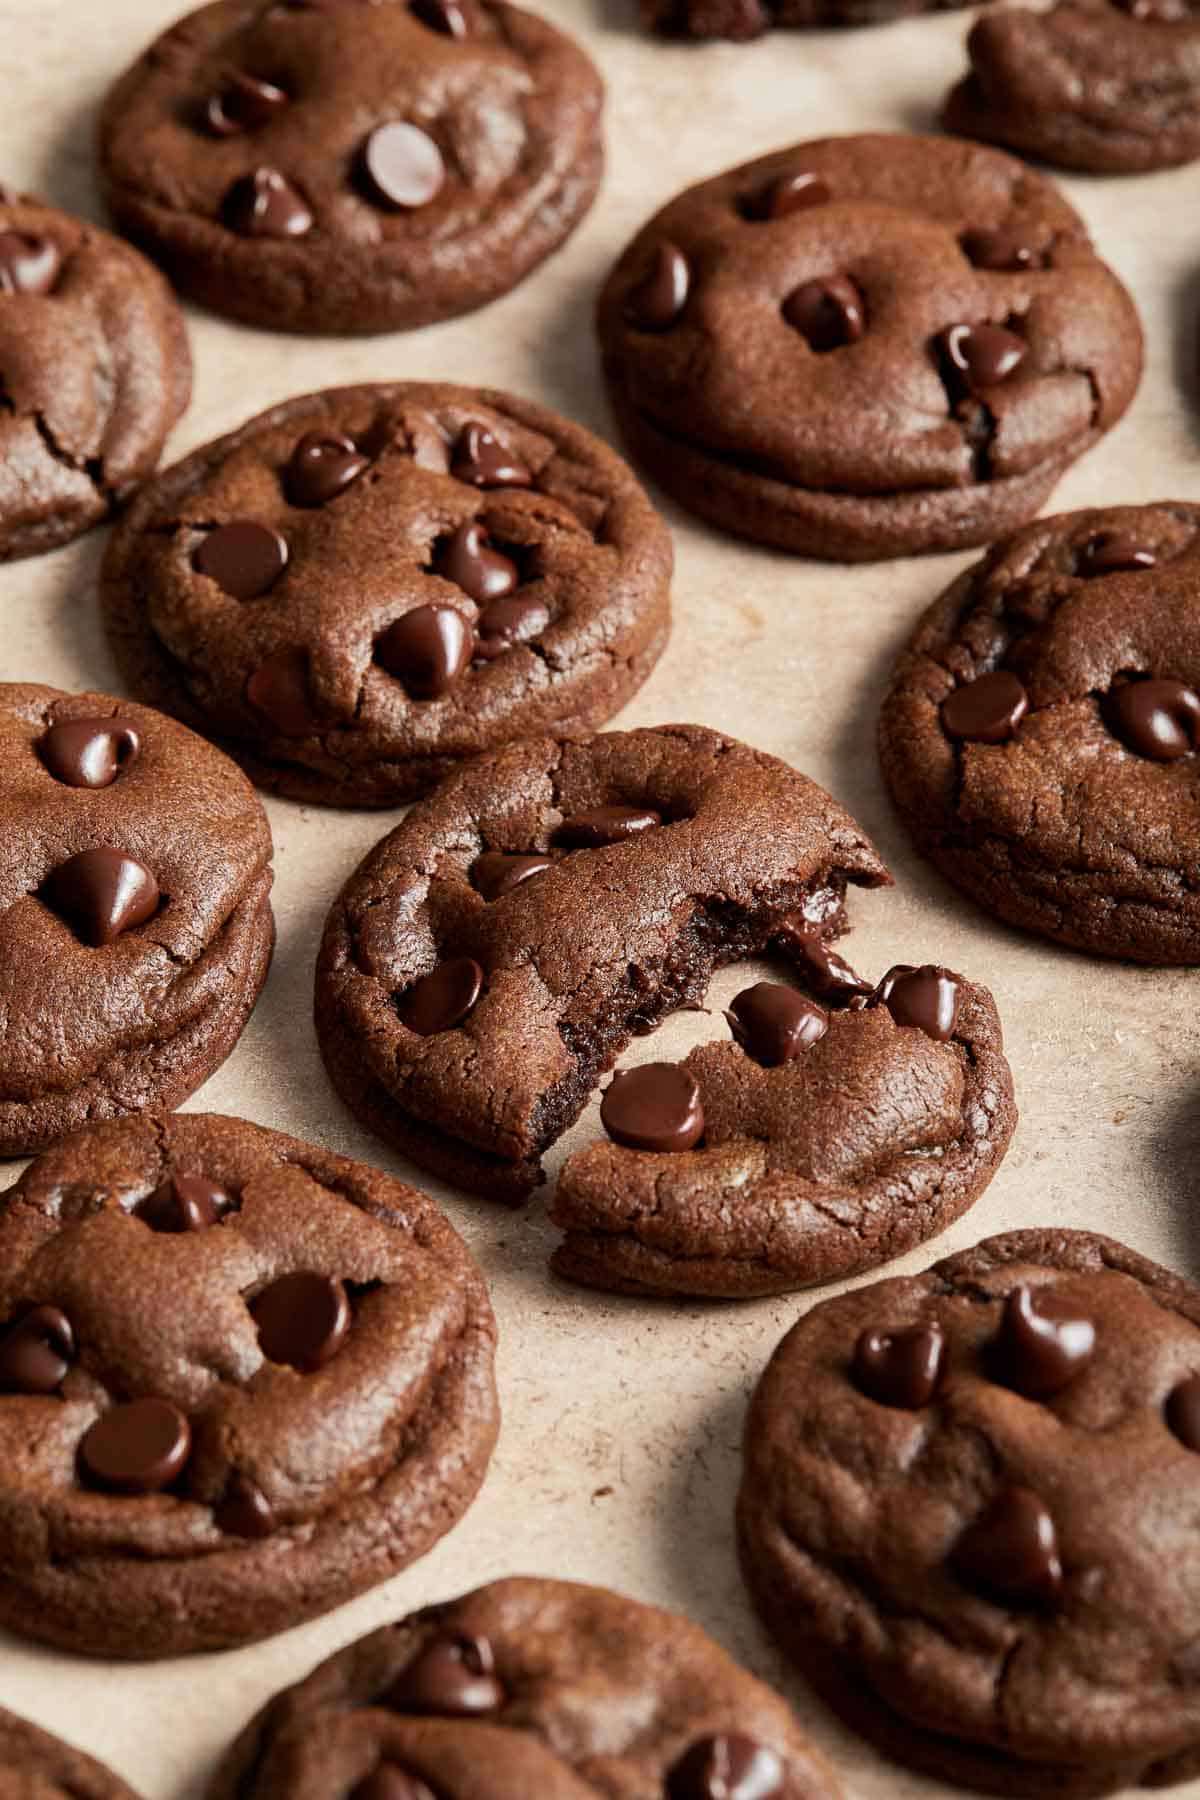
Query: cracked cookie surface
(241, 1380)
(867, 346)
(967, 1511)
(360, 589)
(1039, 734)
(94, 371)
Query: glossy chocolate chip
(244, 1511)
(443, 998)
(89, 753)
(654, 1107)
(1155, 718)
(983, 355)
(1044, 1342)
(265, 204)
(427, 650)
(36, 1352)
(1183, 1412)
(819, 965)
(403, 166)
(774, 1024)
(660, 295)
(827, 313)
(497, 872)
(1114, 552)
(184, 1203)
(1011, 1550)
(244, 558)
(303, 1319)
(137, 1448)
(446, 16)
(322, 466)
(787, 194)
(1000, 247)
(452, 1676)
(244, 103)
(28, 264)
(900, 1368)
(278, 689)
(514, 619)
(927, 998)
(467, 558)
(482, 460)
(390, 1782)
(986, 710)
(727, 1767)
(602, 825)
(102, 893)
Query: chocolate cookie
(36, 1766)
(241, 1379)
(136, 881)
(361, 589)
(94, 371)
(744, 19)
(1039, 737)
(1110, 86)
(968, 1511)
(867, 346)
(353, 168)
(528, 1687)
(824, 1141)
(494, 954)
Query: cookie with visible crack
(741, 20)
(241, 1380)
(136, 881)
(94, 371)
(363, 588)
(824, 1141)
(353, 168)
(36, 1766)
(494, 954)
(867, 346)
(1040, 733)
(968, 1513)
(528, 1687)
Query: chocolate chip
(446, 16)
(390, 1782)
(137, 1448)
(774, 1024)
(101, 893)
(654, 1107)
(403, 165)
(244, 1511)
(451, 1676)
(303, 1319)
(467, 558)
(1183, 1412)
(443, 998)
(827, 313)
(513, 620)
(1114, 552)
(184, 1203)
(986, 710)
(244, 558)
(605, 825)
(926, 998)
(983, 355)
(1157, 12)
(1155, 718)
(244, 103)
(36, 1352)
(660, 294)
(787, 194)
(1011, 1549)
(1000, 247)
(89, 753)
(1043, 1344)
(481, 459)
(278, 689)
(427, 650)
(727, 1767)
(265, 204)
(323, 465)
(900, 1368)
(820, 966)
(497, 872)
(28, 264)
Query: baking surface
(618, 1458)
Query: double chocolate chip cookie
(494, 954)
(241, 1379)
(1040, 734)
(1109, 86)
(968, 1511)
(94, 371)
(361, 589)
(310, 166)
(868, 346)
(823, 1141)
(528, 1687)
(744, 19)
(135, 886)
(36, 1766)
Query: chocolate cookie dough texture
(36, 1766)
(968, 1512)
(741, 20)
(136, 885)
(241, 1380)
(825, 1140)
(1040, 733)
(866, 347)
(1108, 86)
(353, 168)
(494, 954)
(363, 588)
(94, 371)
(528, 1687)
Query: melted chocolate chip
(28, 264)
(497, 872)
(278, 689)
(303, 1320)
(605, 825)
(137, 1448)
(36, 1352)
(446, 16)
(323, 465)
(660, 296)
(1000, 247)
(390, 1782)
(102, 893)
(986, 710)
(983, 355)
(727, 1767)
(481, 459)
(403, 165)
(774, 1024)
(427, 650)
(467, 558)
(244, 1511)
(244, 558)
(265, 204)
(1183, 1412)
(244, 103)
(654, 1107)
(452, 1676)
(900, 1368)
(786, 194)
(1114, 552)
(927, 998)
(184, 1203)
(1011, 1550)
(820, 966)
(89, 753)
(827, 313)
(443, 998)
(1155, 718)
(1043, 1344)
(514, 619)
